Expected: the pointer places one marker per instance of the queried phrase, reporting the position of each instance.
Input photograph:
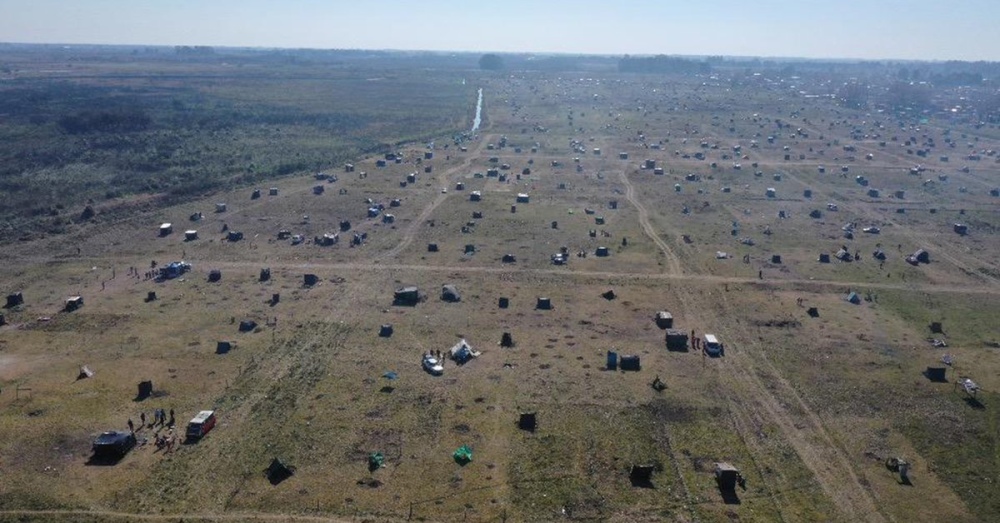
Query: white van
(712, 345)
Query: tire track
(445, 176)
(802, 427)
(673, 263)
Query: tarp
(462, 352)
(376, 461)
(463, 455)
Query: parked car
(113, 444)
(432, 365)
(712, 345)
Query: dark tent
(150, 296)
(223, 347)
(406, 296)
(630, 362)
(503, 303)
(506, 340)
(813, 312)
(824, 258)
(776, 259)
(277, 471)
(936, 374)
(664, 320)
(543, 303)
(247, 325)
(310, 279)
(13, 300)
(450, 293)
(609, 295)
(677, 340)
(385, 330)
(265, 274)
(726, 476)
(612, 360)
(145, 390)
(432, 247)
(527, 421)
(641, 476)
(214, 275)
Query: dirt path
(445, 177)
(779, 402)
(673, 263)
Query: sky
(852, 29)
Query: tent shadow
(974, 403)
(729, 497)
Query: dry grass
(807, 407)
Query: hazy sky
(904, 29)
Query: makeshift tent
(74, 303)
(85, 373)
(726, 476)
(277, 471)
(527, 421)
(275, 298)
(214, 275)
(506, 340)
(612, 360)
(641, 476)
(677, 340)
(853, 298)
(150, 296)
(463, 455)
(376, 460)
(145, 390)
(462, 352)
(223, 347)
(813, 312)
(13, 300)
(450, 293)
(630, 362)
(609, 295)
(265, 274)
(310, 279)
(406, 296)
(936, 374)
(385, 330)
(247, 325)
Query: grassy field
(808, 408)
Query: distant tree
(908, 95)
(491, 62)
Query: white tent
(463, 352)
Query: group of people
(159, 419)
